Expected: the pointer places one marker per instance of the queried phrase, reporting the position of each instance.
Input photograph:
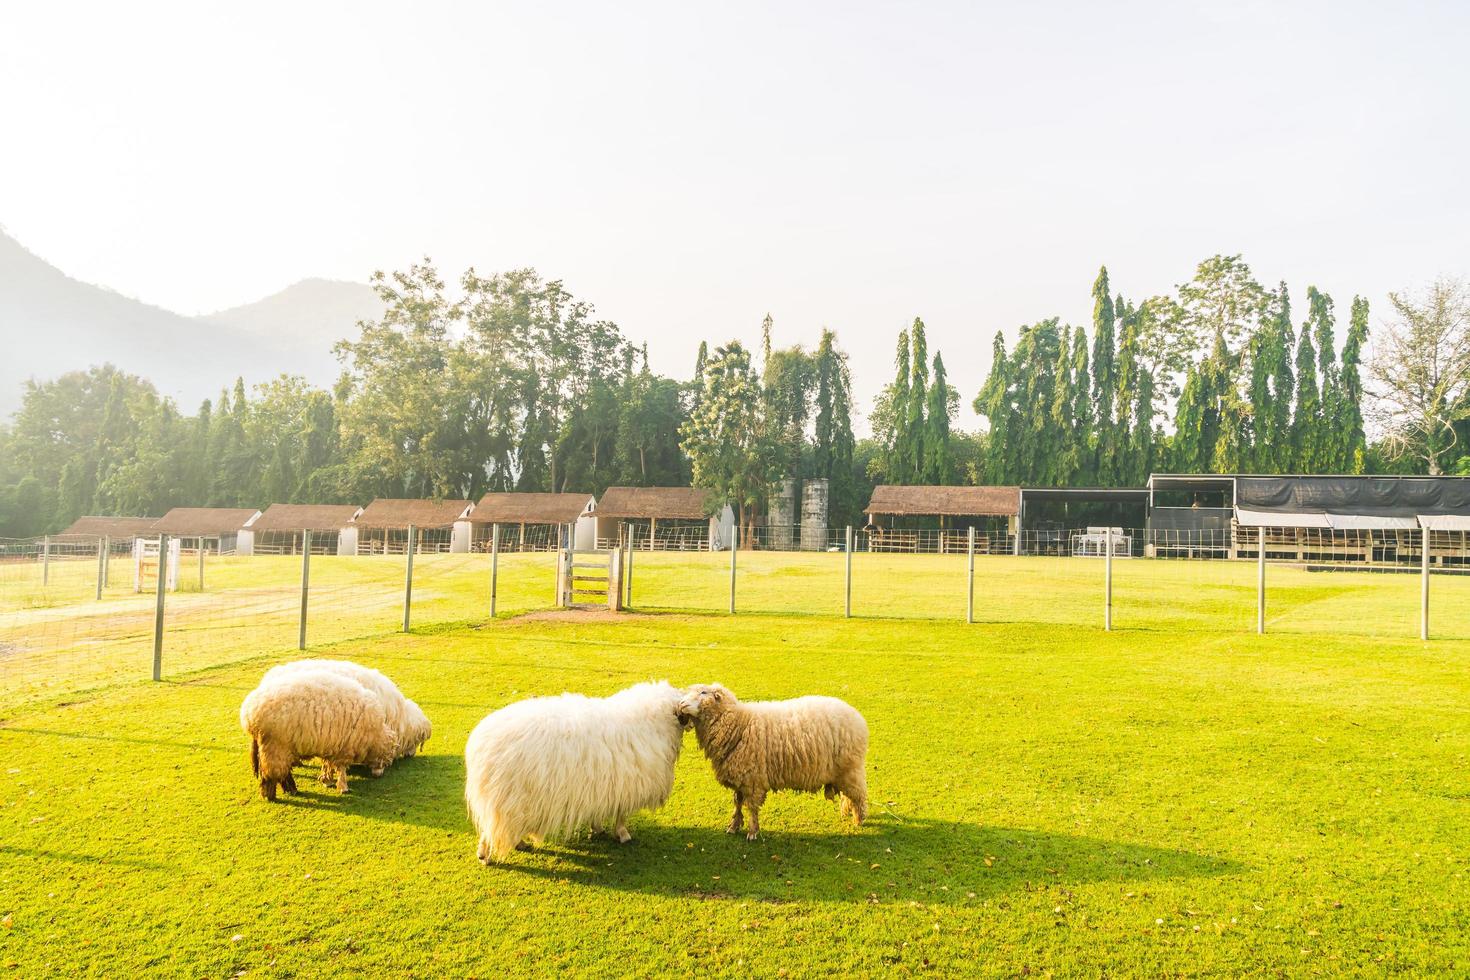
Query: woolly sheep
(806, 744)
(543, 768)
(405, 717)
(314, 714)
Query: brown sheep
(806, 744)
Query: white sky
(688, 167)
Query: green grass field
(1179, 796)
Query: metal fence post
(848, 557)
(46, 560)
(305, 585)
(970, 577)
(1108, 582)
(101, 565)
(106, 559)
(408, 582)
(201, 564)
(1261, 583)
(158, 608)
(1424, 587)
(734, 550)
(494, 564)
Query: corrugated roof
(680, 503)
(394, 513)
(306, 517)
(206, 521)
(112, 527)
(948, 501)
(530, 508)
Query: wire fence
(75, 615)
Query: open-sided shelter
(119, 531)
(382, 527)
(214, 529)
(281, 530)
(663, 518)
(938, 518)
(533, 521)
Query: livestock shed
(1082, 521)
(439, 526)
(281, 530)
(663, 518)
(939, 518)
(215, 529)
(533, 521)
(1354, 519)
(119, 531)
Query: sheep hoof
(734, 828)
(623, 835)
(753, 835)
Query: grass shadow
(426, 791)
(92, 860)
(121, 739)
(885, 862)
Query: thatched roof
(396, 514)
(111, 527)
(530, 508)
(306, 517)
(686, 503)
(948, 501)
(208, 522)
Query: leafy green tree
(833, 447)
(1104, 379)
(915, 450)
(1306, 424)
(1353, 441)
(938, 466)
(725, 436)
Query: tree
(1104, 379)
(890, 417)
(1353, 441)
(1421, 374)
(833, 445)
(725, 436)
(1306, 424)
(915, 452)
(938, 467)
(993, 402)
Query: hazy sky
(688, 167)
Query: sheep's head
(705, 701)
(418, 727)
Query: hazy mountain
(51, 323)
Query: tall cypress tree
(1354, 442)
(1127, 469)
(1104, 379)
(1331, 440)
(1307, 421)
(938, 466)
(918, 396)
(1141, 443)
(993, 402)
(1281, 448)
(1061, 457)
(900, 457)
(1081, 408)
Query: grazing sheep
(544, 768)
(406, 719)
(807, 744)
(314, 713)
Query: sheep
(404, 716)
(807, 744)
(543, 768)
(314, 713)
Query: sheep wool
(806, 744)
(544, 768)
(314, 714)
(405, 718)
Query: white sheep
(807, 744)
(314, 714)
(405, 717)
(546, 767)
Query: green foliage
(726, 437)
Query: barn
(439, 526)
(663, 519)
(119, 531)
(533, 521)
(281, 530)
(210, 529)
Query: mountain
(51, 323)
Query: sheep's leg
(326, 776)
(622, 831)
(738, 820)
(753, 804)
(829, 791)
(289, 784)
(268, 788)
(854, 787)
(483, 851)
(341, 771)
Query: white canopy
(1445, 522)
(1371, 522)
(1246, 517)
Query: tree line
(512, 383)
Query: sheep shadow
(887, 861)
(425, 791)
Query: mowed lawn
(1178, 796)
